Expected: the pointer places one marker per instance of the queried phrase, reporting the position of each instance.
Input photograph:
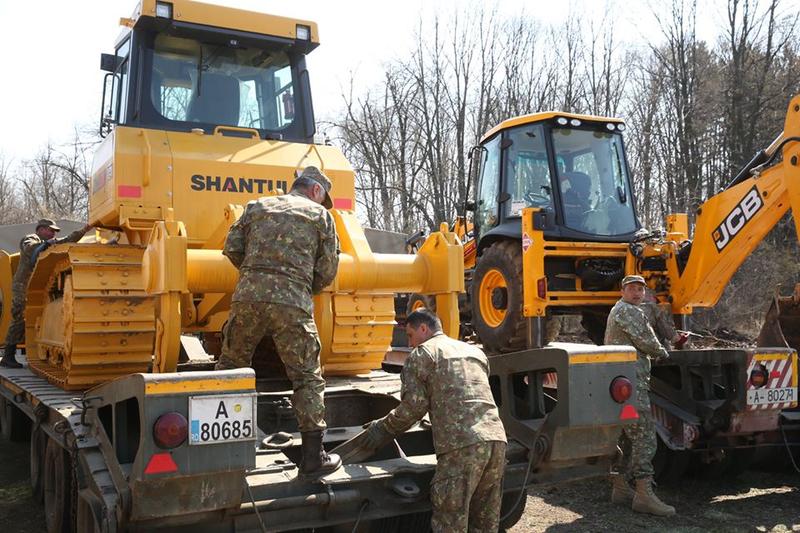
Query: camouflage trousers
(297, 342)
(638, 441)
(16, 328)
(467, 488)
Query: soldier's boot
(315, 460)
(621, 491)
(9, 359)
(646, 501)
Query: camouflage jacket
(29, 249)
(450, 380)
(627, 324)
(285, 248)
(661, 321)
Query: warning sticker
(526, 242)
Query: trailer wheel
(670, 465)
(57, 489)
(731, 464)
(38, 448)
(14, 425)
(86, 515)
(514, 515)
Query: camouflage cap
(313, 173)
(47, 223)
(627, 280)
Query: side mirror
(108, 62)
(470, 205)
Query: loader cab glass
(527, 170)
(486, 208)
(203, 85)
(593, 182)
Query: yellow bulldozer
(197, 121)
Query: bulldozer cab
(192, 76)
(571, 167)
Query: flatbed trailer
(98, 464)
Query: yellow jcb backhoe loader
(555, 230)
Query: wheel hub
(500, 298)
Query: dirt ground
(18, 512)
(756, 501)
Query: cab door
(487, 212)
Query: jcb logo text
(737, 218)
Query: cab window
(486, 213)
(527, 172)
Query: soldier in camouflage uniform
(627, 324)
(286, 250)
(29, 249)
(449, 380)
(661, 321)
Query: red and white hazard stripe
(782, 372)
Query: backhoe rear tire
(497, 298)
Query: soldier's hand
(681, 340)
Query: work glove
(682, 338)
(376, 435)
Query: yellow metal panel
(6, 292)
(614, 357)
(216, 170)
(771, 356)
(533, 251)
(181, 386)
(545, 115)
(228, 17)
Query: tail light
(170, 430)
(759, 376)
(541, 288)
(621, 389)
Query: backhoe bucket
(782, 323)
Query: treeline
(696, 111)
(53, 183)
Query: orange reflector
(628, 413)
(161, 463)
(343, 203)
(129, 191)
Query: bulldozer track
(89, 315)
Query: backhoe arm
(731, 224)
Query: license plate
(767, 396)
(224, 418)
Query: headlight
(303, 32)
(164, 10)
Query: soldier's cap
(47, 223)
(313, 173)
(627, 280)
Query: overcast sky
(50, 51)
